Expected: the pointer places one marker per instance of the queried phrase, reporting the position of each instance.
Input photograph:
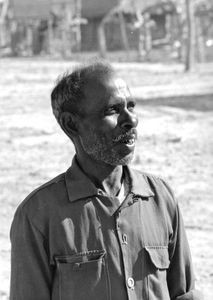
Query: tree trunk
(102, 40)
(49, 35)
(200, 41)
(3, 29)
(123, 32)
(147, 36)
(101, 32)
(190, 41)
(29, 39)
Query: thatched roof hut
(89, 8)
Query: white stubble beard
(98, 148)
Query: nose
(128, 120)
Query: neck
(104, 176)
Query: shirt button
(130, 283)
(76, 266)
(100, 192)
(124, 238)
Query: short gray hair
(69, 89)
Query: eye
(112, 110)
(131, 106)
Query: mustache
(131, 134)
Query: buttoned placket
(123, 241)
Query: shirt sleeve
(180, 276)
(31, 273)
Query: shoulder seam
(36, 228)
(42, 187)
(146, 174)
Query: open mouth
(126, 139)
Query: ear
(68, 122)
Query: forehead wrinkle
(116, 100)
(122, 88)
(107, 91)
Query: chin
(111, 157)
(116, 161)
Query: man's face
(107, 132)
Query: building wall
(113, 34)
(97, 8)
(24, 9)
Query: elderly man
(101, 230)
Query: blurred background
(145, 30)
(163, 49)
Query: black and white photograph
(106, 165)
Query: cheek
(103, 128)
(109, 123)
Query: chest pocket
(157, 260)
(82, 276)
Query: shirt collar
(139, 184)
(79, 185)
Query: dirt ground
(175, 141)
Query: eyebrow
(129, 98)
(130, 101)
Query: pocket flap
(159, 256)
(81, 257)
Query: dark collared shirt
(72, 241)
